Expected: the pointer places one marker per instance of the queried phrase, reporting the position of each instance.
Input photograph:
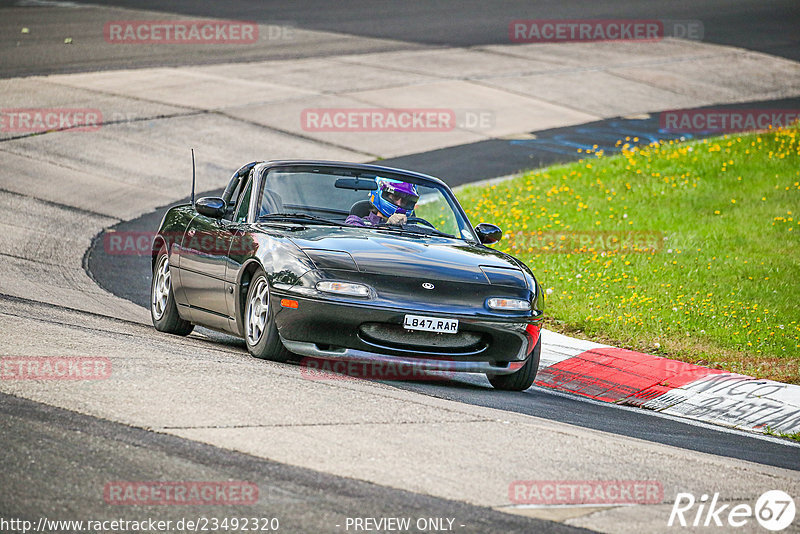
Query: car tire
(260, 332)
(163, 309)
(523, 378)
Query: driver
(391, 201)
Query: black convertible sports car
(296, 259)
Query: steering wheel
(420, 221)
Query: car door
(203, 262)
(241, 248)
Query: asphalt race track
(324, 452)
(763, 26)
(769, 27)
(55, 440)
(129, 278)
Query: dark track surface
(497, 157)
(634, 423)
(772, 27)
(54, 442)
(129, 277)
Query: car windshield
(335, 196)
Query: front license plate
(430, 324)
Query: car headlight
(508, 304)
(344, 288)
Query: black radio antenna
(193, 178)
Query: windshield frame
(262, 170)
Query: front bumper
(334, 330)
(312, 350)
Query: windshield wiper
(423, 230)
(298, 217)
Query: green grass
(795, 436)
(687, 250)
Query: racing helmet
(393, 196)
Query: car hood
(392, 254)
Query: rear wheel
(523, 378)
(260, 332)
(163, 309)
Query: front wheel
(163, 309)
(523, 378)
(260, 332)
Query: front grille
(396, 337)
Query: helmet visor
(400, 199)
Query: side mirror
(488, 233)
(213, 207)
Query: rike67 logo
(774, 510)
